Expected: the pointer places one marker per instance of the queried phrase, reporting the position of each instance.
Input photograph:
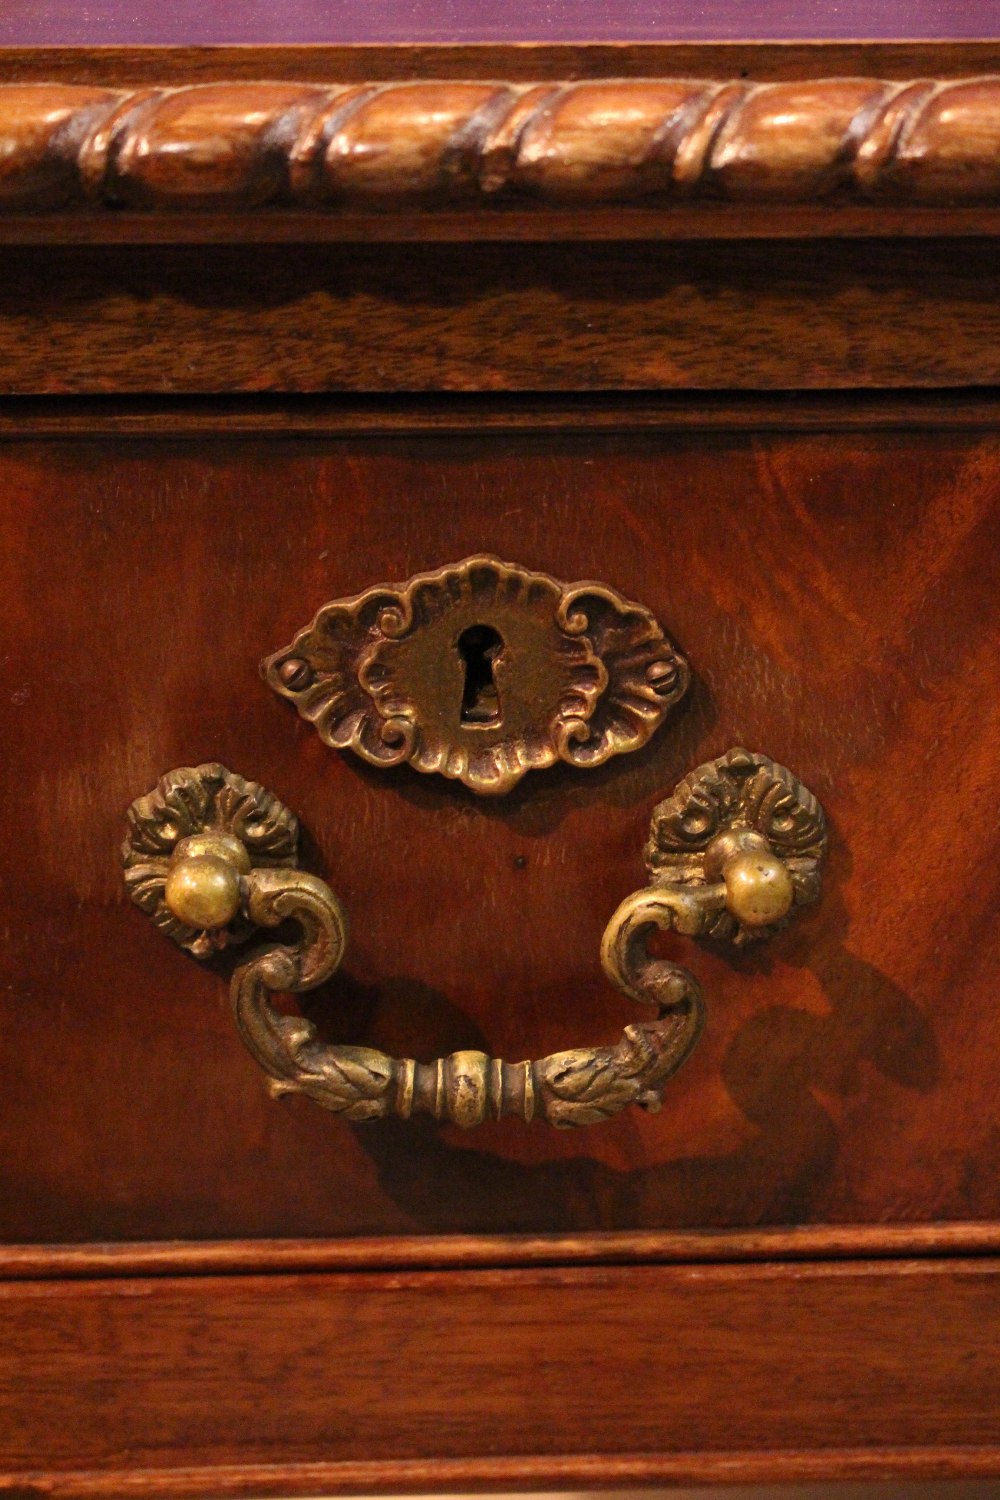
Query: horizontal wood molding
(389, 1253)
(123, 66)
(321, 417)
(310, 1384)
(549, 147)
(490, 1474)
(806, 315)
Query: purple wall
(68, 22)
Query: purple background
(68, 22)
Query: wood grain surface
(304, 1385)
(836, 593)
(125, 65)
(534, 317)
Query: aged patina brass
(482, 671)
(731, 854)
(745, 827)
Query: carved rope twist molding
(241, 146)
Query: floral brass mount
(211, 858)
(482, 671)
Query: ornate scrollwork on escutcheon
(482, 671)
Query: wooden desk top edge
(138, 144)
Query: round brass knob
(203, 891)
(759, 889)
(202, 887)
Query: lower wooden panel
(298, 1384)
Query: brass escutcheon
(482, 671)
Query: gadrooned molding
(395, 146)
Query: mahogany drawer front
(834, 585)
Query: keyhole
(479, 647)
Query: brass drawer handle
(212, 858)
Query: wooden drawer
(832, 579)
(764, 407)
